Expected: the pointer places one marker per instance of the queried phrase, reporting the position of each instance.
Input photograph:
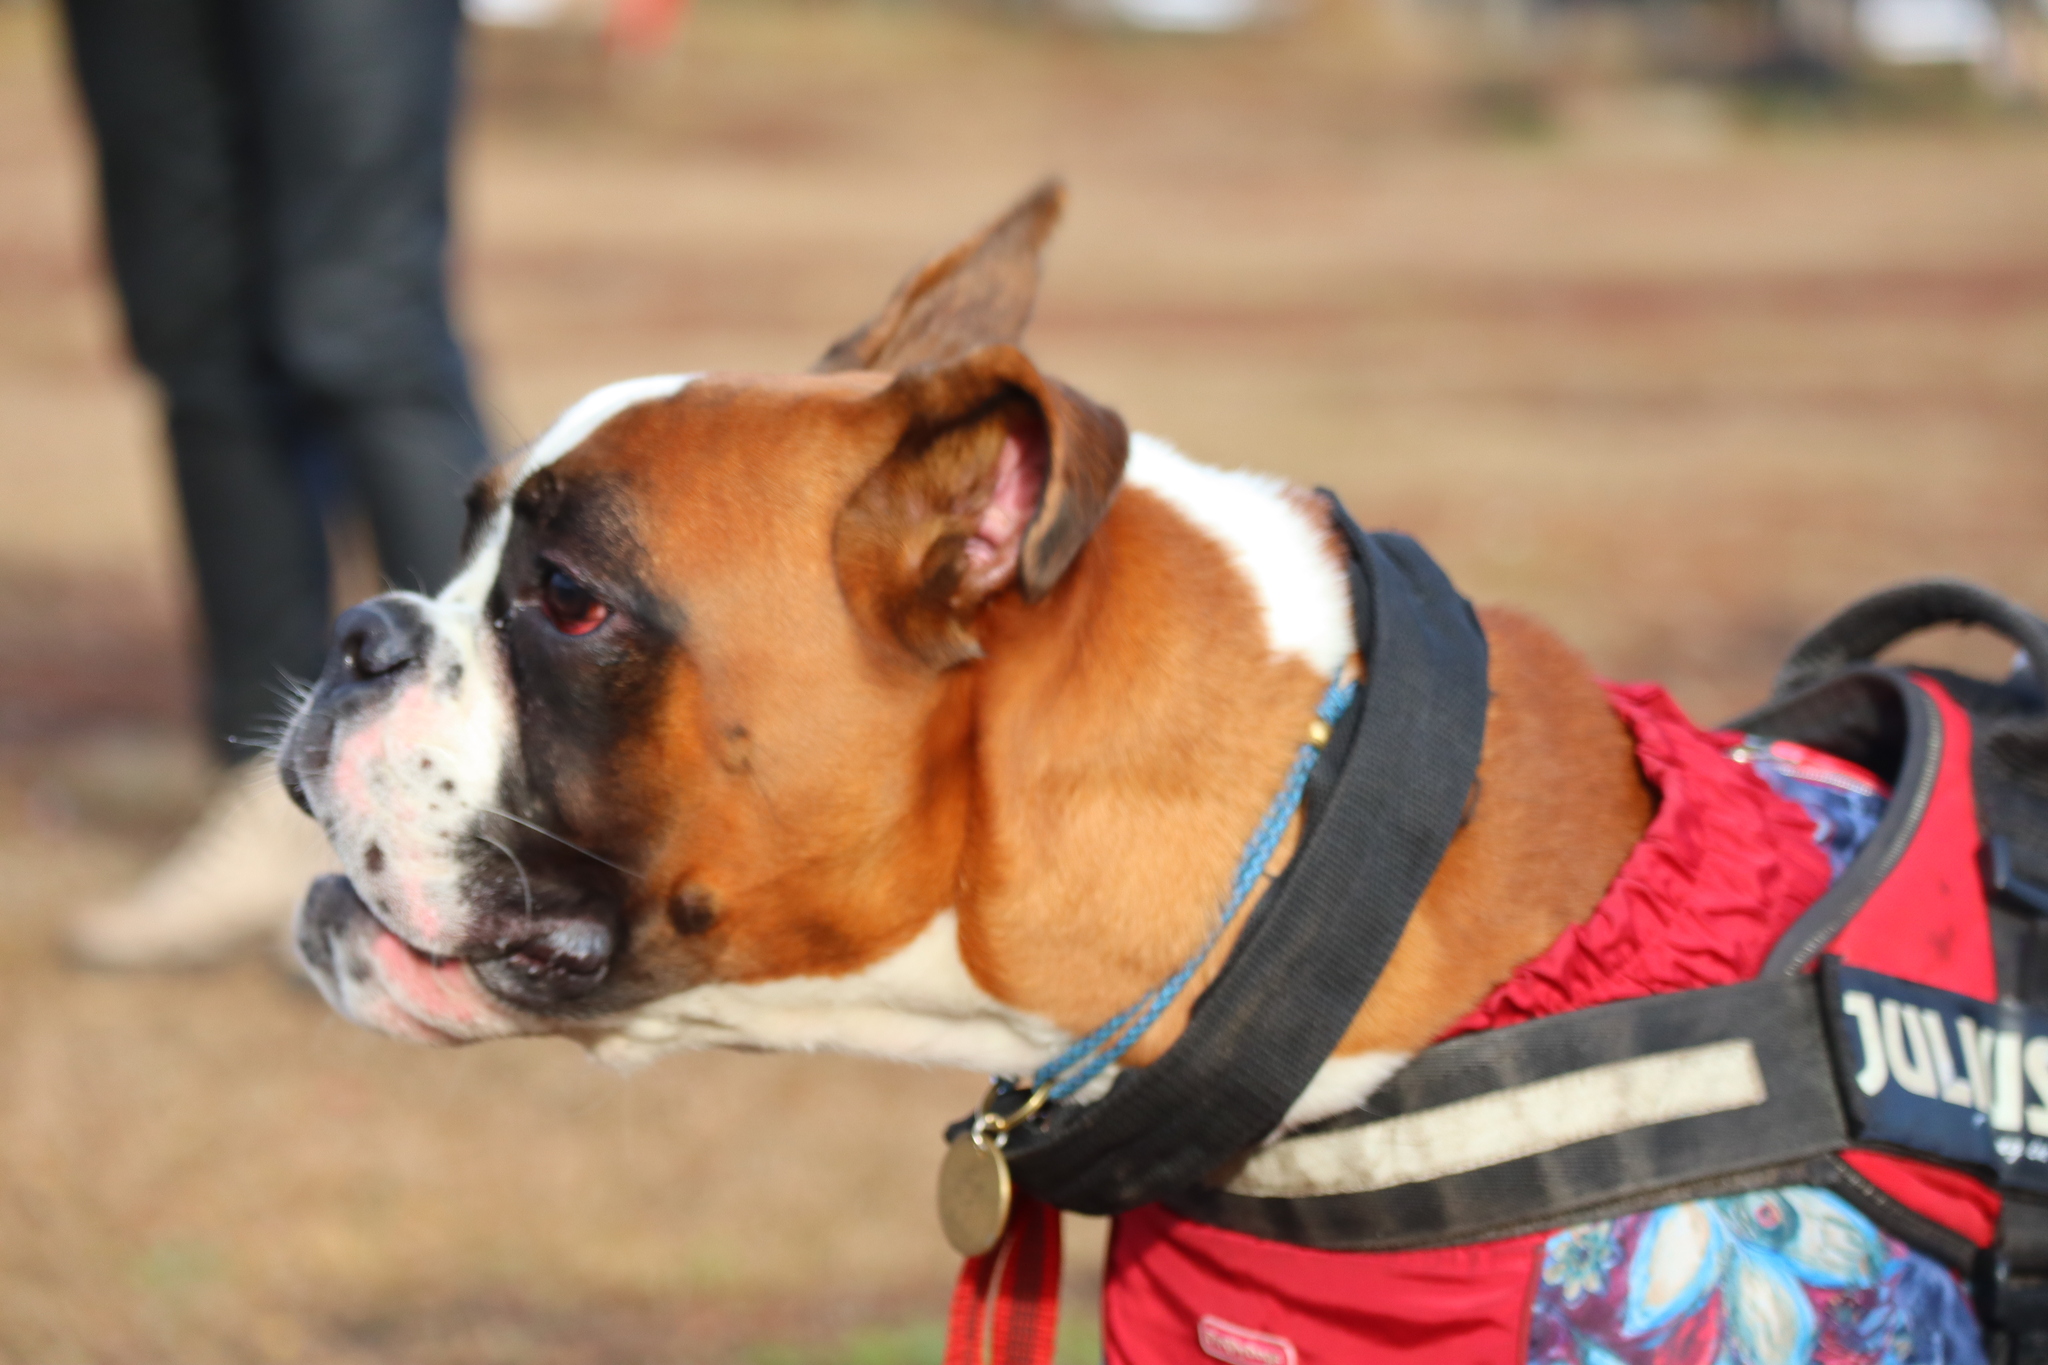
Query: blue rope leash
(1088, 1057)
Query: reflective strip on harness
(1564, 1117)
(1655, 1100)
(1520, 1121)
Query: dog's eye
(571, 608)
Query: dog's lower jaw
(370, 975)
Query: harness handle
(1860, 631)
(2009, 719)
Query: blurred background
(1678, 322)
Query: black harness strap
(1864, 698)
(1317, 941)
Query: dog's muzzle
(380, 981)
(483, 942)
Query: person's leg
(171, 121)
(171, 125)
(358, 101)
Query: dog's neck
(1132, 729)
(1125, 736)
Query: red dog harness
(1724, 870)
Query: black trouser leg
(183, 227)
(273, 174)
(358, 97)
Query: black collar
(1320, 936)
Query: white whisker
(571, 845)
(524, 885)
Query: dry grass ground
(1677, 386)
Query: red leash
(1006, 1306)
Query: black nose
(378, 638)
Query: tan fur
(1079, 795)
(1560, 804)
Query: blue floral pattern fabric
(1793, 1276)
(1844, 809)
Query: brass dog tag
(974, 1192)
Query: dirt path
(1676, 387)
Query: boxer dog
(907, 707)
(912, 707)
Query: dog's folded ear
(997, 479)
(978, 294)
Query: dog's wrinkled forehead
(490, 501)
(737, 467)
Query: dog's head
(694, 715)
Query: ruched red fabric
(1724, 868)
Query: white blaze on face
(472, 585)
(407, 780)
(405, 783)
